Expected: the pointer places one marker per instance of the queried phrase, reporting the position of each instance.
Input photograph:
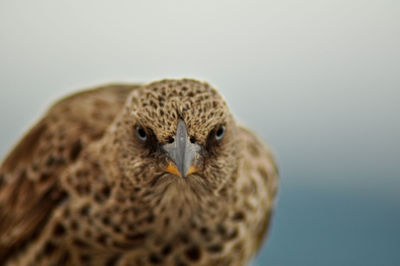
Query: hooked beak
(184, 154)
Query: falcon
(153, 174)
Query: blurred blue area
(317, 226)
(318, 80)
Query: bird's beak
(184, 155)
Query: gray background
(318, 80)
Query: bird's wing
(29, 188)
(259, 164)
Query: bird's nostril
(171, 140)
(192, 139)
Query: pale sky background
(318, 80)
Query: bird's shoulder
(257, 159)
(29, 189)
(258, 181)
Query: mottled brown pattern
(82, 189)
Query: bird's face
(176, 131)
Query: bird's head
(176, 131)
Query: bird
(158, 173)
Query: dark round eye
(219, 134)
(141, 134)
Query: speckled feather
(81, 189)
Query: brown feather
(29, 189)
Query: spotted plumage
(155, 174)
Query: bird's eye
(219, 134)
(141, 134)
